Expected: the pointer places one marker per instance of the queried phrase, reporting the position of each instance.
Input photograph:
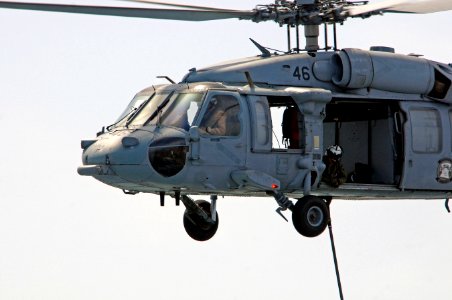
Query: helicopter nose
(137, 161)
(118, 159)
(119, 148)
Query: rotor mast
(311, 31)
(311, 34)
(307, 15)
(310, 14)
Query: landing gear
(310, 216)
(200, 218)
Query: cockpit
(164, 118)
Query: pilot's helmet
(334, 151)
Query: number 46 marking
(303, 74)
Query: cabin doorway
(370, 134)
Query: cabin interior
(370, 134)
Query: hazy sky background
(63, 236)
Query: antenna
(262, 49)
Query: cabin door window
(261, 124)
(425, 130)
(288, 125)
(427, 158)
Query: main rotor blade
(152, 13)
(401, 6)
(180, 5)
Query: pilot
(334, 174)
(221, 117)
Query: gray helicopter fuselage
(391, 114)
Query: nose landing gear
(200, 218)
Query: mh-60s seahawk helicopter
(215, 132)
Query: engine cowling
(355, 69)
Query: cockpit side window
(182, 111)
(221, 117)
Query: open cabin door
(370, 139)
(427, 146)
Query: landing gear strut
(200, 218)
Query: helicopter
(214, 132)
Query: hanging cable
(333, 248)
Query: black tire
(196, 227)
(310, 216)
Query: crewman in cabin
(334, 174)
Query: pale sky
(63, 236)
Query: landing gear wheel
(310, 216)
(196, 227)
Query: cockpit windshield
(133, 106)
(168, 109)
(150, 109)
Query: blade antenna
(262, 49)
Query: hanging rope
(333, 248)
